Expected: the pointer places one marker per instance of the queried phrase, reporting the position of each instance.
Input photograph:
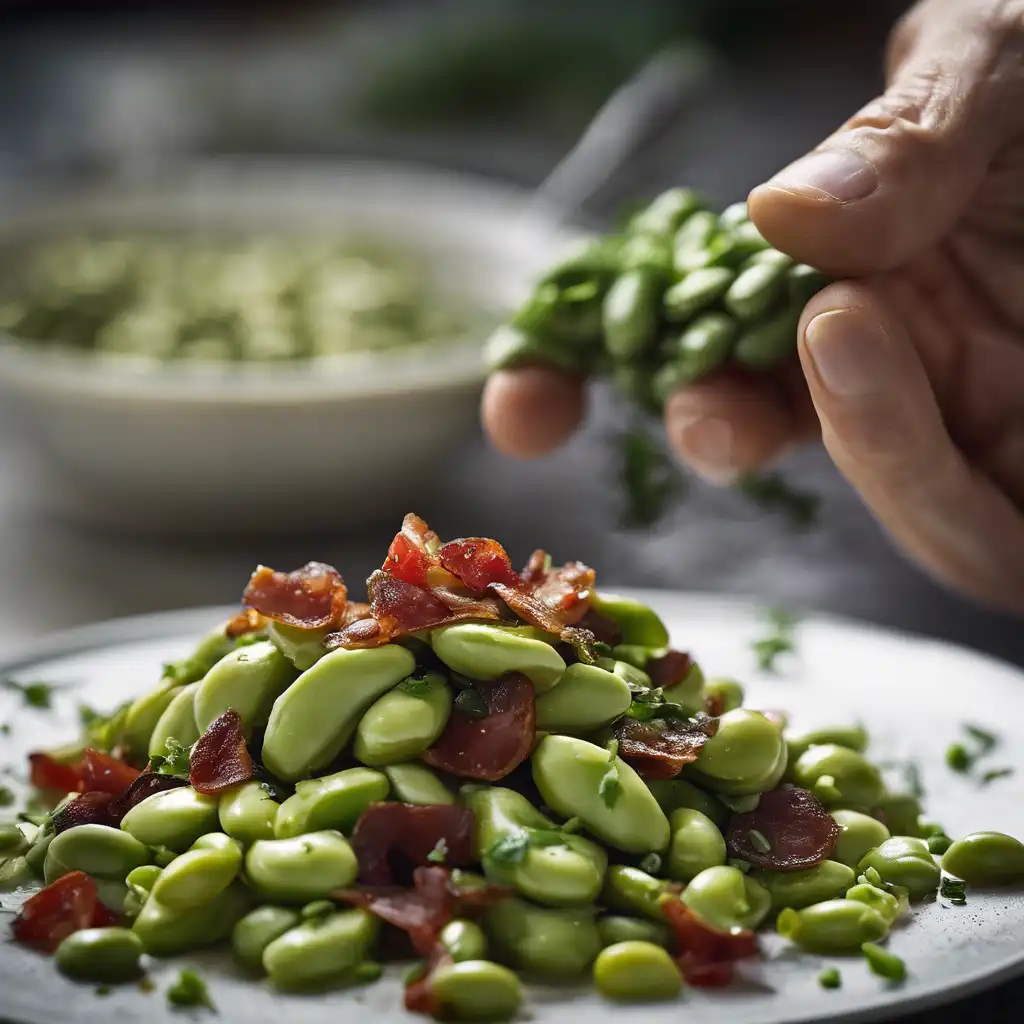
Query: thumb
(898, 175)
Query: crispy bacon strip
(98, 808)
(46, 773)
(705, 955)
(87, 809)
(219, 758)
(67, 906)
(799, 831)
(419, 993)
(670, 669)
(94, 771)
(246, 621)
(411, 833)
(313, 597)
(489, 748)
(478, 562)
(660, 748)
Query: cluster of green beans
(589, 865)
(680, 293)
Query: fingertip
(530, 411)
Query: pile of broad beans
(598, 865)
(680, 293)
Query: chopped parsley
(6, 796)
(5, 728)
(103, 732)
(983, 739)
(415, 687)
(175, 762)
(415, 973)
(509, 849)
(830, 978)
(773, 493)
(884, 963)
(779, 640)
(609, 789)
(34, 695)
(954, 890)
(439, 854)
(572, 826)
(995, 773)
(759, 841)
(651, 864)
(190, 991)
(963, 757)
(471, 704)
(958, 758)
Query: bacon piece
(246, 621)
(419, 993)
(714, 704)
(800, 832)
(567, 591)
(478, 562)
(409, 833)
(87, 809)
(46, 773)
(705, 955)
(49, 917)
(489, 748)
(659, 749)
(312, 597)
(103, 916)
(146, 785)
(99, 808)
(98, 772)
(219, 759)
(670, 669)
(605, 630)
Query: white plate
(912, 694)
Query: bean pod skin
(986, 858)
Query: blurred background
(380, 155)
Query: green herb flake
(509, 849)
(759, 841)
(415, 687)
(175, 762)
(830, 978)
(572, 826)
(649, 477)
(939, 843)
(958, 758)
(439, 854)
(651, 864)
(954, 890)
(366, 972)
(779, 639)
(609, 789)
(984, 739)
(415, 973)
(471, 704)
(190, 991)
(995, 773)
(103, 990)
(883, 963)
(6, 796)
(773, 493)
(34, 695)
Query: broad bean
(741, 795)
(635, 972)
(696, 292)
(298, 870)
(168, 933)
(832, 927)
(464, 940)
(632, 891)
(142, 717)
(482, 651)
(175, 818)
(986, 858)
(746, 746)
(178, 722)
(248, 812)
(696, 844)
(665, 213)
(586, 699)
(858, 833)
(727, 899)
(249, 680)
(615, 928)
(764, 345)
(570, 774)
(638, 625)
(199, 875)
(95, 849)
(322, 950)
(726, 692)
(555, 944)
(257, 930)
(905, 861)
(825, 881)
(312, 721)
(901, 814)
(476, 990)
(35, 856)
(106, 955)
(331, 802)
(839, 776)
(853, 737)
(672, 794)
(14, 872)
(884, 902)
(302, 647)
(629, 316)
(416, 784)
(404, 722)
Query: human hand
(912, 368)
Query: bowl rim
(454, 364)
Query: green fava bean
(804, 283)
(824, 881)
(986, 858)
(853, 737)
(416, 784)
(97, 850)
(404, 722)
(767, 344)
(636, 972)
(198, 876)
(555, 944)
(727, 899)
(636, 383)
(901, 813)
(145, 712)
(696, 844)
(629, 674)
(320, 951)
(756, 291)
(587, 698)
(509, 346)
(838, 776)
(35, 856)
(884, 902)
(112, 894)
(208, 652)
(165, 932)
(733, 216)
(476, 990)
(464, 940)
(144, 877)
(571, 775)
(639, 625)
(858, 833)
(633, 891)
(249, 680)
(248, 812)
(615, 928)
(832, 927)
(745, 746)
(331, 802)
(696, 292)
(550, 867)
(299, 870)
(726, 693)
(175, 818)
(482, 651)
(629, 315)
(314, 718)
(664, 214)
(906, 861)
(104, 955)
(14, 872)
(672, 794)
(302, 647)
(257, 930)
(178, 722)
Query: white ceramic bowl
(257, 448)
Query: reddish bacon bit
(419, 993)
(605, 630)
(312, 597)
(101, 773)
(567, 591)
(478, 562)
(246, 621)
(670, 669)
(49, 917)
(714, 704)
(146, 785)
(46, 773)
(705, 955)
(97, 808)
(800, 832)
(219, 759)
(87, 809)
(491, 747)
(409, 833)
(659, 749)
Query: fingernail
(850, 355)
(706, 444)
(840, 174)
